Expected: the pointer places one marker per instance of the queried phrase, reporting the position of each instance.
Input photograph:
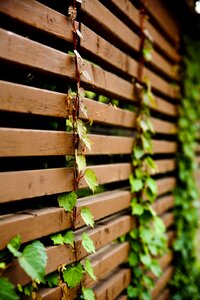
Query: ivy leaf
(145, 234)
(136, 184)
(73, 275)
(88, 294)
(7, 290)
(68, 238)
(151, 164)
(137, 209)
(52, 279)
(87, 243)
(151, 184)
(33, 261)
(87, 216)
(82, 133)
(89, 269)
(80, 161)
(67, 201)
(159, 225)
(146, 260)
(155, 268)
(133, 292)
(91, 179)
(147, 144)
(57, 239)
(133, 259)
(138, 151)
(13, 246)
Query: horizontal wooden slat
(113, 285)
(162, 282)
(23, 142)
(106, 260)
(104, 233)
(165, 295)
(163, 204)
(25, 99)
(30, 54)
(164, 18)
(133, 14)
(27, 184)
(33, 224)
(168, 219)
(18, 185)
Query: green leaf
(68, 238)
(137, 209)
(136, 184)
(80, 161)
(87, 243)
(57, 239)
(155, 268)
(52, 279)
(159, 225)
(138, 151)
(88, 294)
(145, 234)
(87, 216)
(150, 163)
(67, 201)
(147, 144)
(2, 265)
(133, 259)
(89, 269)
(73, 275)
(145, 259)
(14, 244)
(34, 260)
(132, 292)
(151, 184)
(91, 179)
(7, 290)
(82, 133)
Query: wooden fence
(37, 70)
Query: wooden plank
(104, 233)
(133, 14)
(113, 285)
(163, 204)
(162, 15)
(165, 295)
(33, 224)
(165, 165)
(38, 16)
(166, 184)
(18, 185)
(162, 282)
(26, 142)
(47, 20)
(30, 54)
(168, 219)
(25, 99)
(105, 261)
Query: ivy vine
(147, 240)
(186, 280)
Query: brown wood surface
(165, 295)
(105, 232)
(106, 260)
(165, 19)
(26, 142)
(28, 184)
(166, 184)
(162, 282)
(113, 285)
(168, 219)
(165, 127)
(29, 54)
(163, 204)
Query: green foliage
(7, 290)
(67, 201)
(87, 243)
(187, 272)
(52, 279)
(88, 294)
(32, 260)
(73, 275)
(89, 269)
(67, 238)
(91, 179)
(87, 216)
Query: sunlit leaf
(68, 238)
(87, 243)
(88, 294)
(87, 216)
(67, 201)
(89, 269)
(57, 239)
(73, 275)
(91, 179)
(14, 244)
(7, 290)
